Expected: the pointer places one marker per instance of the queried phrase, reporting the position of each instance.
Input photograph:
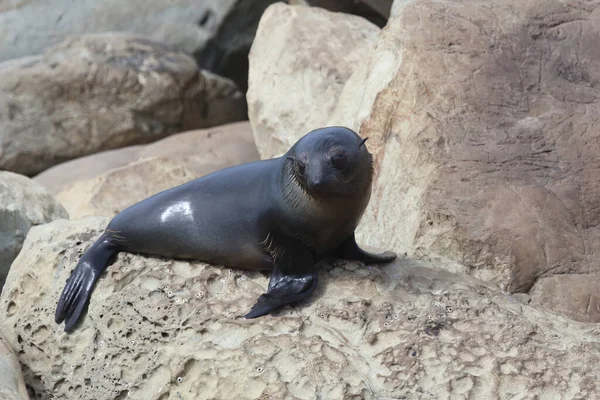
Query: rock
(23, 204)
(100, 92)
(159, 328)
(117, 189)
(481, 119)
(575, 295)
(159, 166)
(201, 151)
(29, 27)
(12, 385)
(226, 53)
(299, 62)
(375, 11)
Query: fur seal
(282, 214)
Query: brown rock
(577, 296)
(201, 151)
(23, 204)
(12, 385)
(481, 118)
(299, 61)
(159, 166)
(159, 328)
(100, 92)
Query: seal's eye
(339, 161)
(301, 167)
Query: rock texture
(100, 92)
(201, 151)
(481, 117)
(29, 27)
(23, 204)
(159, 328)
(12, 385)
(299, 62)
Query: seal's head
(331, 161)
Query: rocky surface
(481, 120)
(159, 328)
(299, 62)
(23, 204)
(29, 27)
(104, 91)
(574, 295)
(200, 151)
(12, 385)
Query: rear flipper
(293, 279)
(349, 250)
(79, 287)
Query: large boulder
(481, 117)
(12, 385)
(29, 27)
(202, 151)
(157, 167)
(160, 328)
(299, 62)
(104, 91)
(23, 204)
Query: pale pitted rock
(29, 27)
(12, 385)
(201, 151)
(160, 328)
(104, 91)
(23, 204)
(481, 117)
(299, 61)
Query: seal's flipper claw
(75, 296)
(78, 290)
(349, 250)
(284, 290)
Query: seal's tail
(77, 291)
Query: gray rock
(100, 92)
(29, 27)
(23, 204)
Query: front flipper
(293, 279)
(349, 250)
(284, 290)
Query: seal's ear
(362, 142)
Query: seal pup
(282, 214)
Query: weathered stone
(29, 27)
(160, 166)
(299, 62)
(481, 117)
(577, 296)
(23, 204)
(159, 328)
(100, 92)
(481, 120)
(12, 385)
(200, 151)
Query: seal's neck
(322, 208)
